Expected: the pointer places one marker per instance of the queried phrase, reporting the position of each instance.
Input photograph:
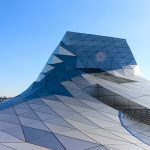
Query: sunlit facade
(89, 96)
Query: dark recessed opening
(130, 109)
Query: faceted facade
(89, 96)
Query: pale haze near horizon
(31, 29)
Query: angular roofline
(94, 35)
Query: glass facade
(89, 96)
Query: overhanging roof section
(99, 52)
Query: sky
(31, 29)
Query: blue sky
(31, 29)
